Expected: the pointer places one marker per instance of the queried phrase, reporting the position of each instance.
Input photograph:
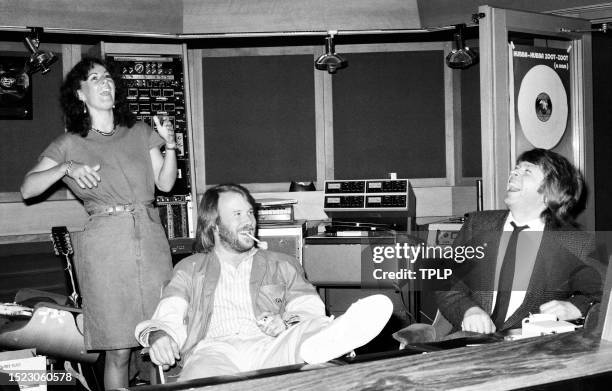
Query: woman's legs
(116, 368)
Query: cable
(409, 314)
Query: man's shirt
(232, 312)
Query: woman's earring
(84, 108)
(113, 105)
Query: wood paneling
(235, 16)
(160, 16)
(447, 12)
(20, 219)
(238, 16)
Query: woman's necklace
(104, 133)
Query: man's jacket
(277, 285)
(564, 270)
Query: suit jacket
(563, 270)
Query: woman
(112, 164)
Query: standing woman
(112, 164)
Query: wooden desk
(498, 366)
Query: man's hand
(477, 320)
(164, 351)
(271, 324)
(563, 309)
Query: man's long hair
(562, 186)
(208, 214)
(76, 118)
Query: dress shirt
(232, 312)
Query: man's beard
(234, 240)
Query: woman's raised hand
(165, 129)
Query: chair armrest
(60, 307)
(29, 293)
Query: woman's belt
(115, 209)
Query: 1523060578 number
(25, 377)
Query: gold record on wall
(542, 107)
(540, 81)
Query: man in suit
(535, 259)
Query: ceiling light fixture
(461, 56)
(330, 61)
(40, 60)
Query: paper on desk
(37, 364)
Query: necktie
(506, 276)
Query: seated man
(541, 266)
(232, 307)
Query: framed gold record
(542, 107)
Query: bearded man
(233, 307)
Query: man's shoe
(361, 323)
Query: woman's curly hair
(76, 118)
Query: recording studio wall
(388, 116)
(261, 117)
(259, 113)
(23, 140)
(602, 126)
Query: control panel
(388, 202)
(370, 194)
(333, 187)
(344, 201)
(156, 86)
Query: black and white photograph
(305, 195)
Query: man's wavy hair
(76, 119)
(562, 186)
(208, 214)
